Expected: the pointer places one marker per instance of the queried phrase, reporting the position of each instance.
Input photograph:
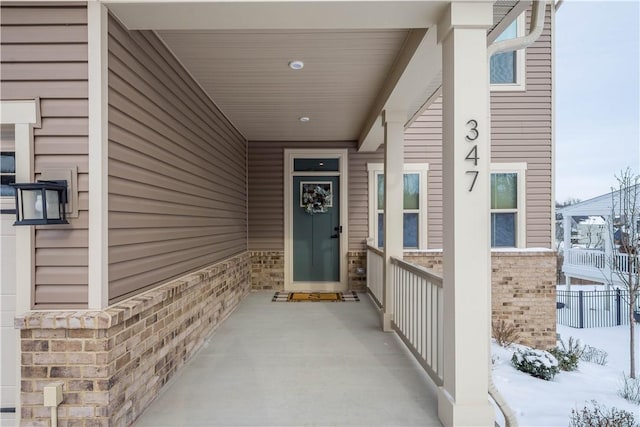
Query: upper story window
(507, 69)
(508, 229)
(414, 204)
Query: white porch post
(608, 253)
(393, 202)
(463, 398)
(566, 245)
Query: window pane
(380, 230)
(503, 230)
(504, 191)
(7, 162)
(411, 191)
(381, 191)
(315, 165)
(509, 33)
(410, 231)
(503, 68)
(5, 190)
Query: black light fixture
(41, 203)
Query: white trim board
(24, 115)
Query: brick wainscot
(114, 362)
(523, 290)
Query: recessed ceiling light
(296, 65)
(304, 119)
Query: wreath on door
(316, 200)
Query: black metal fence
(593, 309)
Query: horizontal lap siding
(266, 191)
(521, 132)
(177, 169)
(44, 55)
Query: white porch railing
(598, 260)
(418, 314)
(586, 257)
(375, 274)
(417, 308)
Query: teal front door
(316, 229)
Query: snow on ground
(536, 402)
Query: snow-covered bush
(630, 389)
(595, 355)
(568, 354)
(599, 416)
(537, 363)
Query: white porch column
(393, 203)
(608, 253)
(463, 398)
(566, 246)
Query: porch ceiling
(360, 57)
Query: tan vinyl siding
(44, 55)
(266, 192)
(522, 132)
(177, 169)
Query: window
(7, 173)
(507, 68)
(507, 205)
(414, 204)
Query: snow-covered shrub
(568, 354)
(537, 363)
(595, 355)
(630, 389)
(504, 333)
(599, 416)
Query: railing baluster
(417, 312)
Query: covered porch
(166, 191)
(286, 363)
(600, 257)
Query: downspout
(535, 30)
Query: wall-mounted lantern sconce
(41, 203)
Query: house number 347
(472, 156)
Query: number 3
(473, 131)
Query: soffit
(246, 73)
(360, 57)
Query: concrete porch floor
(294, 364)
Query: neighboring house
(590, 233)
(594, 263)
(190, 139)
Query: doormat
(314, 296)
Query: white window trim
(519, 168)
(421, 168)
(520, 84)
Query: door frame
(289, 156)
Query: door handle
(334, 236)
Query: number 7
(475, 177)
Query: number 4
(473, 155)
